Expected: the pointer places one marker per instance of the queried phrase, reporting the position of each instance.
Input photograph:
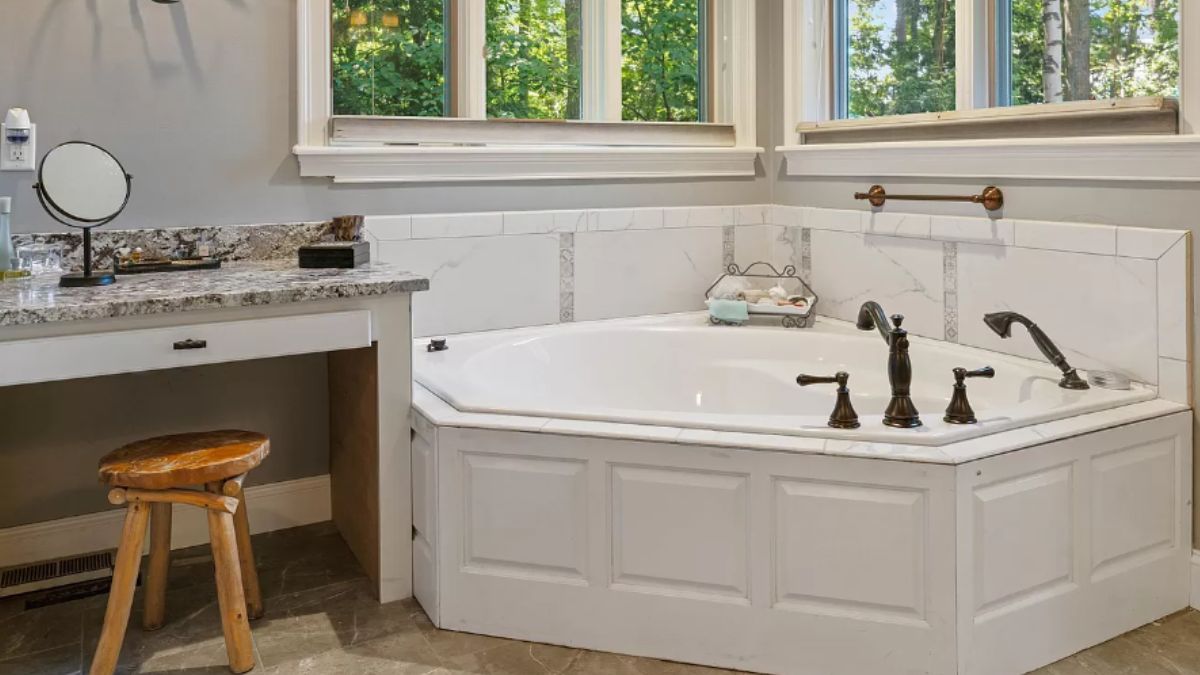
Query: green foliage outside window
(388, 57)
(533, 59)
(1132, 48)
(660, 69)
(901, 56)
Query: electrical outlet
(18, 156)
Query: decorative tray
(167, 265)
(792, 316)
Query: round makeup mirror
(82, 185)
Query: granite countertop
(40, 300)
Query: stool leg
(241, 525)
(158, 567)
(120, 595)
(236, 626)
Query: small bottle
(8, 260)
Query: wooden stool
(148, 476)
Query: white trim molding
(493, 163)
(1196, 579)
(1115, 158)
(409, 163)
(274, 506)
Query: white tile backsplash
(698, 216)
(775, 244)
(973, 230)
(896, 224)
(1099, 310)
(446, 225)
(788, 216)
(1144, 242)
(839, 220)
(480, 283)
(1174, 378)
(903, 275)
(1173, 310)
(1075, 237)
(543, 222)
(644, 271)
(388, 228)
(604, 220)
(753, 214)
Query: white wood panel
(525, 516)
(856, 551)
(1134, 496)
(677, 531)
(1119, 468)
(1023, 539)
(88, 355)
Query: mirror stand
(87, 277)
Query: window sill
(1110, 158)
(394, 164)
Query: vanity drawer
(74, 356)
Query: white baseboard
(1196, 579)
(274, 506)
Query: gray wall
(197, 99)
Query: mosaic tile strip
(728, 246)
(950, 289)
(566, 277)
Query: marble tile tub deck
(39, 299)
(322, 619)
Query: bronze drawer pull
(991, 198)
(190, 344)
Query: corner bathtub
(678, 371)
(661, 487)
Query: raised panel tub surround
(783, 549)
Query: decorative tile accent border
(566, 277)
(728, 247)
(950, 289)
(805, 253)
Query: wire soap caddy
(790, 315)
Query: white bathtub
(679, 371)
(661, 487)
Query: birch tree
(1052, 57)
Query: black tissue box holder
(342, 254)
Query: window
(895, 57)
(1081, 50)
(389, 57)
(534, 56)
(663, 49)
(467, 89)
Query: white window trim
(318, 157)
(1110, 158)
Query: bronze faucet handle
(959, 411)
(897, 319)
(961, 374)
(843, 416)
(840, 378)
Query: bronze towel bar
(991, 198)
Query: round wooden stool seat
(173, 461)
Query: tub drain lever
(959, 411)
(843, 416)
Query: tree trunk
(574, 26)
(524, 35)
(901, 33)
(1079, 50)
(939, 37)
(1052, 58)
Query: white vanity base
(791, 563)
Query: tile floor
(321, 618)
